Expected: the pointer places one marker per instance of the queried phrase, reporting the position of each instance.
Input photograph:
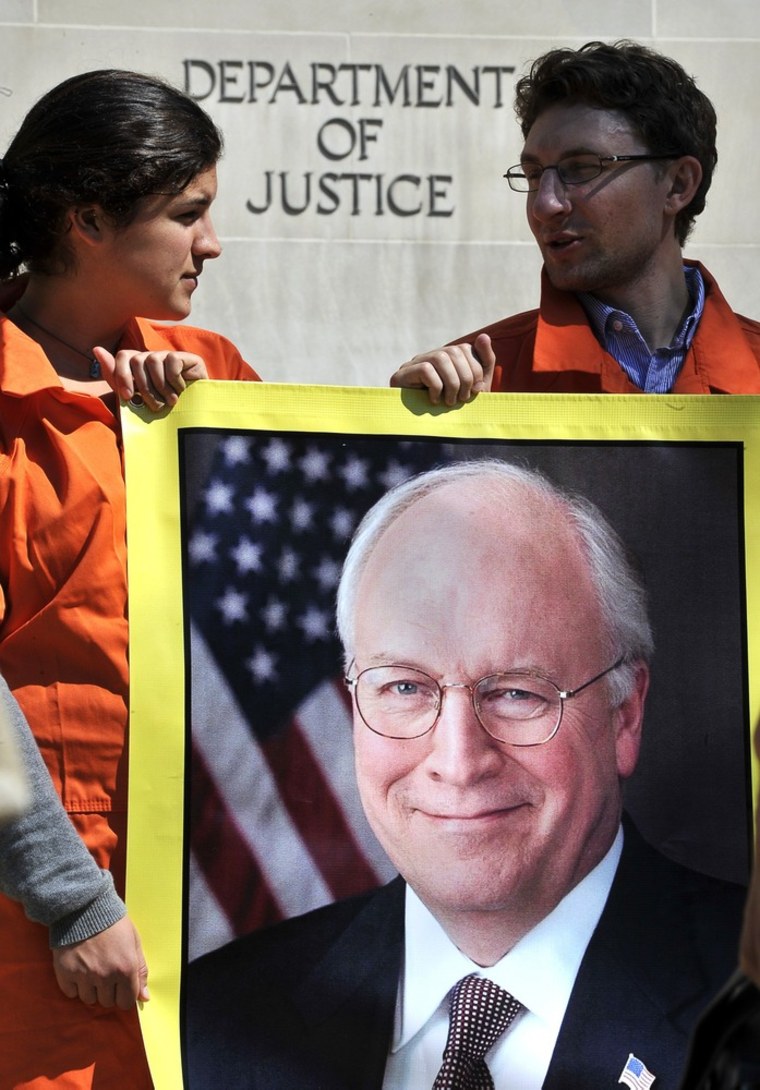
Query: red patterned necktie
(480, 1012)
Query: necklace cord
(95, 370)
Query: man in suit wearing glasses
(497, 650)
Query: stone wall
(362, 207)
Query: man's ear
(87, 223)
(684, 175)
(628, 720)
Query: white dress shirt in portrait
(539, 970)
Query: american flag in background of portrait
(276, 826)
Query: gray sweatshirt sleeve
(43, 862)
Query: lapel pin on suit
(635, 1074)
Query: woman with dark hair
(105, 196)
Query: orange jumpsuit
(63, 652)
(554, 350)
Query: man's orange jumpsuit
(554, 350)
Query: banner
(241, 505)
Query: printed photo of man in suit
(497, 650)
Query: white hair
(620, 591)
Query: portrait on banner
(277, 827)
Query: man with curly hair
(618, 158)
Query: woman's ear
(87, 223)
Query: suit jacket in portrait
(309, 1004)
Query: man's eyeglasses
(518, 708)
(573, 170)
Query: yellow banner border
(157, 657)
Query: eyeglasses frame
(563, 694)
(602, 160)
